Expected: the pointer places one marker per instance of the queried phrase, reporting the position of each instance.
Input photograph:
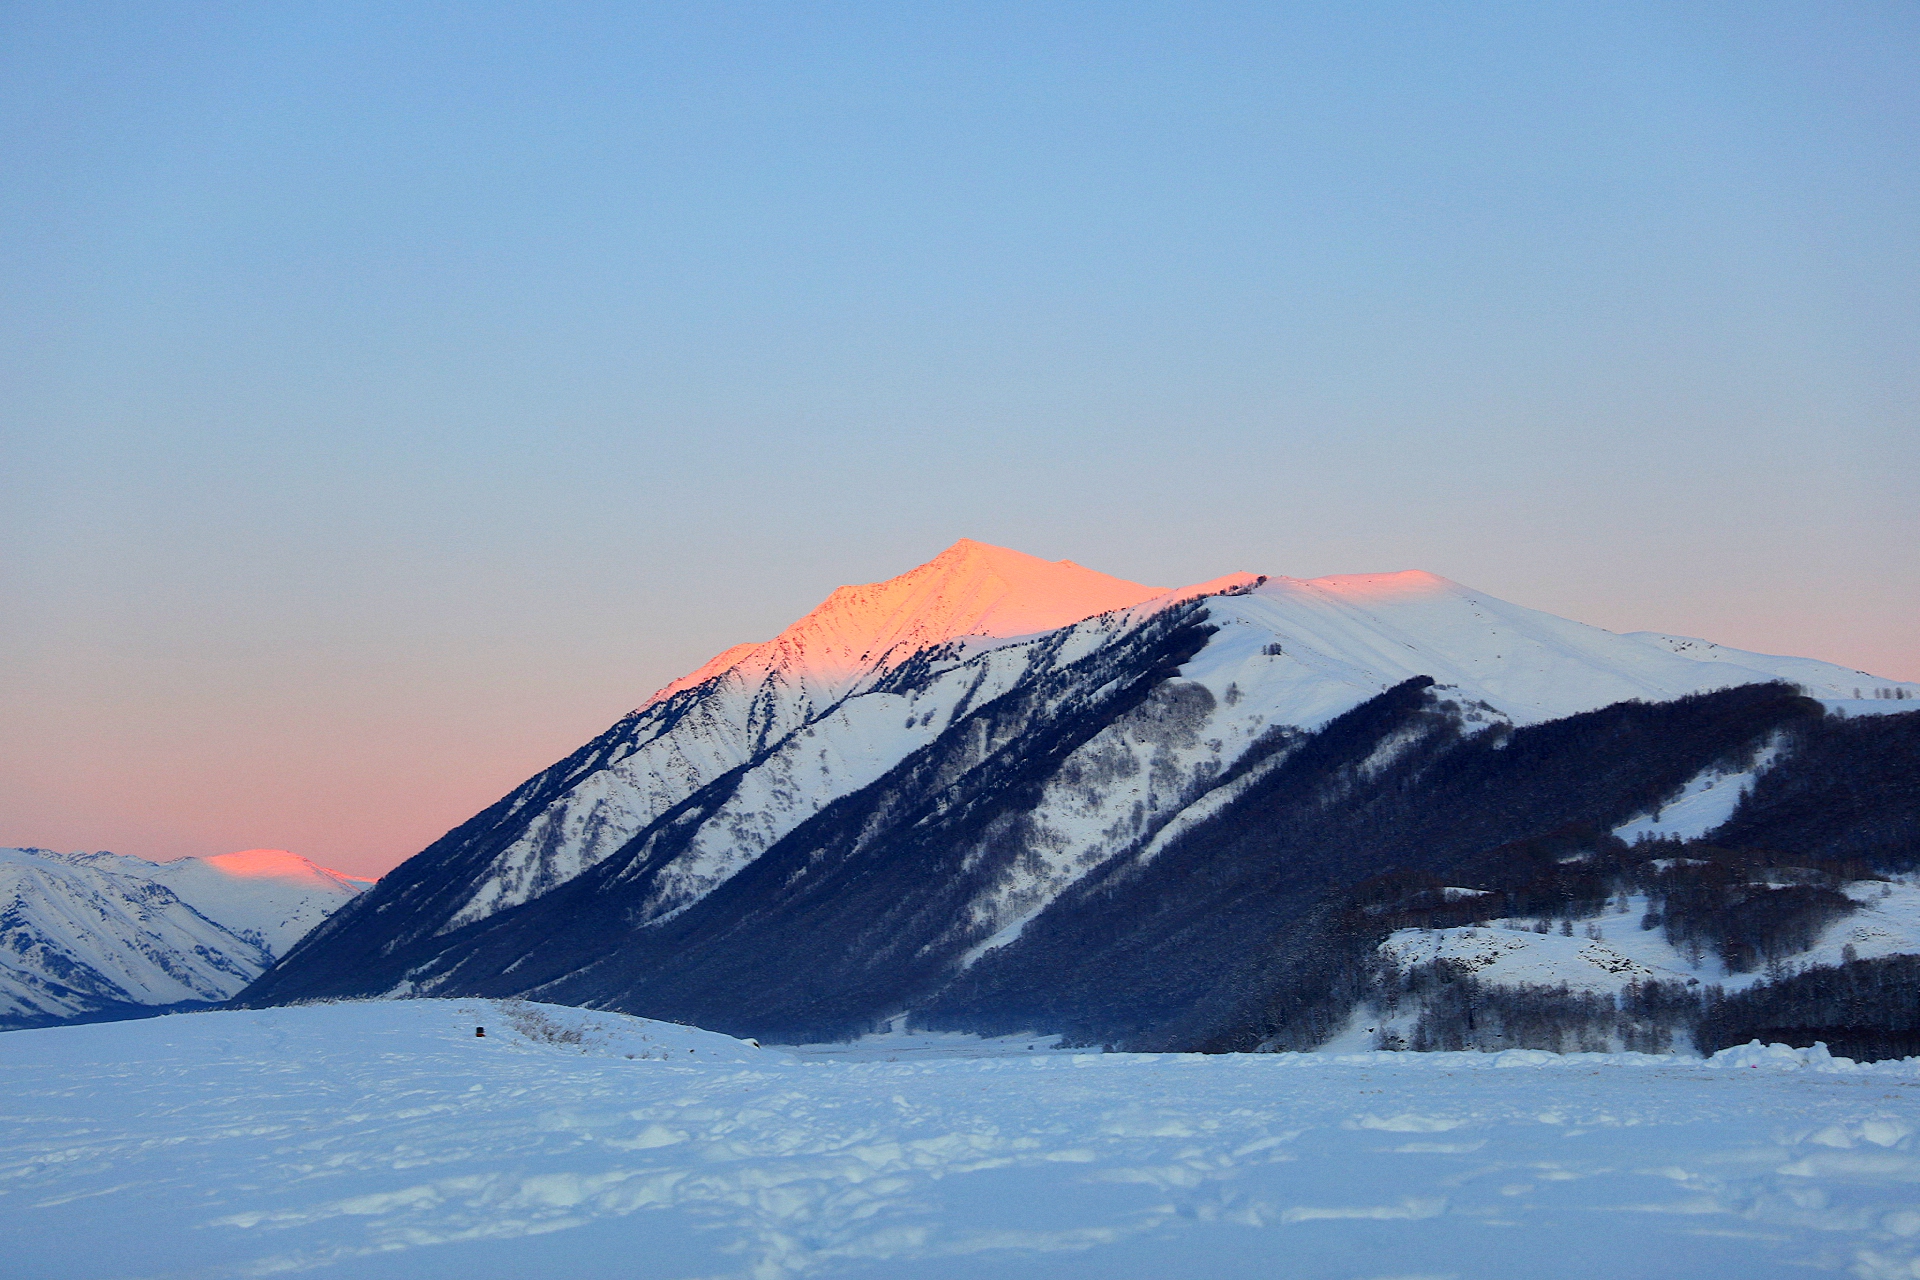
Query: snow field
(382, 1139)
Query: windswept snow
(385, 1140)
(1344, 639)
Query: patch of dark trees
(1237, 934)
(1865, 1010)
(1842, 803)
(1458, 1011)
(1746, 908)
(1846, 787)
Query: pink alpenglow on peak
(277, 864)
(1384, 586)
(970, 589)
(276, 894)
(86, 932)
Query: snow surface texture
(81, 933)
(817, 714)
(383, 1140)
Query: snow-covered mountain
(924, 768)
(87, 935)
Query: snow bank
(1780, 1057)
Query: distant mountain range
(1000, 793)
(87, 936)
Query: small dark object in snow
(479, 1033)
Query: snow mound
(528, 1024)
(1780, 1057)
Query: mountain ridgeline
(999, 794)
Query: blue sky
(395, 393)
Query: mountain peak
(275, 864)
(970, 589)
(1407, 582)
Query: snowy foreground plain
(382, 1139)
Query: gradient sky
(393, 394)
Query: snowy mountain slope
(1707, 801)
(1345, 639)
(384, 1141)
(89, 934)
(1821, 679)
(867, 909)
(746, 700)
(1341, 641)
(1113, 747)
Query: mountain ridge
(985, 782)
(88, 935)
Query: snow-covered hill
(384, 1140)
(94, 934)
(1098, 721)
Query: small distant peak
(258, 862)
(967, 547)
(273, 864)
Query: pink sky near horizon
(367, 776)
